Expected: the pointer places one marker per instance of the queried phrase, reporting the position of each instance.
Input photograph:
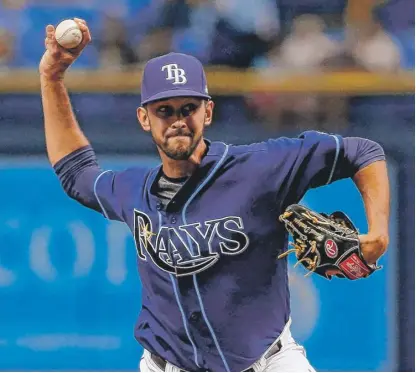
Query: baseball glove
(325, 244)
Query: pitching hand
(56, 59)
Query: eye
(188, 109)
(165, 111)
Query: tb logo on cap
(175, 73)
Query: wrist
(373, 246)
(379, 239)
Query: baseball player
(214, 297)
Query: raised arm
(63, 134)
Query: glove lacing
(299, 248)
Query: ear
(143, 118)
(209, 112)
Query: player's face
(176, 124)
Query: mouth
(179, 136)
(179, 132)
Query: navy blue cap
(173, 75)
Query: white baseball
(68, 34)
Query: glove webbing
(299, 249)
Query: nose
(179, 123)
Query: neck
(176, 169)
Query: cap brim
(175, 93)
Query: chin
(178, 153)
(180, 148)
(180, 156)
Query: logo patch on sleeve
(353, 267)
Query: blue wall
(70, 292)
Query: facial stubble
(176, 153)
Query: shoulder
(286, 148)
(135, 172)
(131, 177)
(307, 139)
(259, 147)
(136, 175)
(248, 148)
(315, 136)
(281, 143)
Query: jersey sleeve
(315, 159)
(362, 152)
(83, 180)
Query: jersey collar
(214, 148)
(215, 151)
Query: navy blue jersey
(214, 295)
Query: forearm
(62, 132)
(373, 184)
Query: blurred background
(69, 289)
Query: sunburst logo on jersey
(146, 234)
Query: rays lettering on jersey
(189, 248)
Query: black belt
(161, 363)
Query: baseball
(68, 34)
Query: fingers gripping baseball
(56, 58)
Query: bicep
(360, 152)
